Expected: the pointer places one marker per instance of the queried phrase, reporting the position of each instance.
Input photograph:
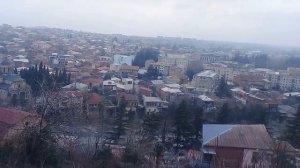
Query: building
(13, 122)
(233, 146)
(207, 103)
(162, 68)
(130, 100)
(179, 60)
(153, 104)
(71, 101)
(12, 86)
(128, 70)
(76, 86)
(251, 81)
(123, 59)
(93, 102)
(205, 81)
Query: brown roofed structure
(243, 136)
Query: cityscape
(81, 99)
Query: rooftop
(236, 136)
(151, 99)
(207, 73)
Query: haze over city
(257, 21)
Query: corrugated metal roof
(237, 136)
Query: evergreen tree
(151, 124)
(182, 126)
(103, 157)
(119, 122)
(223, 89)
(152, 72)
(190, 74)
(197, 124)
(293, 132)
(143, 55)
(39, 77)
(224, 114)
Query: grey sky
(260, 21)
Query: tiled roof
(128, 67)
(12, 116)
(94, 98)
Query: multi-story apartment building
(205, 81)
(179, 60)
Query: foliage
(119, 122)
(293, 132)
(143, 55)
(190, 74)
(103, 157)
(158, 153)
(39, 77)
(224, 114)
(151, 124)
(35, 149)
(130, 155)
(152, 72)
(223, 89)
(197, 124)
(183, 129)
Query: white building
(180, 60)
(205, 81)
(123, 59)
(153, 104)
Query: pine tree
(197, 124)
(223, 89)
(223, 115)
(151, 124)
(119, 123)
(293, 132)
(182, 126)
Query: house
(12, 86)
(76, 86)
(109, 87)
(207, 103)
(128, 70)
(130, 100)
(250, 81)
(144, 90)
(233, 146)
(153, 104)
(93, 102)
(13, 122)
(71, 101)
(205, 81)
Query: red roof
(94, 98)
(128, 67)
(13, 116)
(10, 117)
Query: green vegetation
(143, 55)
(39, 77)
(293, 132)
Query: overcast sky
(275, 22)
